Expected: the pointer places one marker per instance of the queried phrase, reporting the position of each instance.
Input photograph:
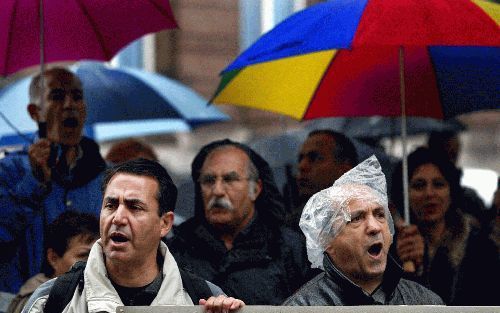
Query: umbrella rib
(98, 35)
(15, 129)
(319, 84)
(436, 80)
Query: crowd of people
(340, 241)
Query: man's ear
(34, 112)
(167, 221)
(257, 189)
(52, 257)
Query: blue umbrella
(121, 103)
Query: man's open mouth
(375, 249)
(70, 122)
(117, 237)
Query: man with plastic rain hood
(349, 229)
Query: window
(259, 16)
(139, 54)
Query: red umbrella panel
(74, 29)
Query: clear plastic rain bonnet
(327, 212)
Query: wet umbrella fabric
(74, 30)
(354, 58)
(341, 58)
(378, 127)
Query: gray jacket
(334, 288)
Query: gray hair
(35, 84)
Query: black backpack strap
(64, 287)
(196, 287)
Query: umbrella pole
(404, 136)
(408, 266)
(42, 57)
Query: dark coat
(264, 266)
(333, 288)
(267, 262)
(465, 267)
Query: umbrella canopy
(121, 103)
(74, 29)
(378, 127)
(433, 58)
(341, 58)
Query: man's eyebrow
(57, 90)
(231, 173)
(110, 199)
(358, 211)
(134, 201)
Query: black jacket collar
(352, 294)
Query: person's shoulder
(291, 239)
(183, 232)
(308, 293)
(39, 297)
(290, 235)
(189, 241)
(17, 156)
(196, 286)
(418, 294)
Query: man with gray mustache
(236, 238)
(348, 230)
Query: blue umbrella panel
(121, 102)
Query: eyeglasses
(229, 180)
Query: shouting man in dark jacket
(236, 239)
(348, 229)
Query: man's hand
(221, 304)
(39, 154)
(410, 245)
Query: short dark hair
(167, 192)
(65, 227)
(438, 139)
(344, 150)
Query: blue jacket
(26, 207)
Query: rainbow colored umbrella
(433, 58)
(342, 58)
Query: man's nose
(69, 102)
(373, 225)
(303, 165)
(120, 215)
(218, 188)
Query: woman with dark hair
(460, 263)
